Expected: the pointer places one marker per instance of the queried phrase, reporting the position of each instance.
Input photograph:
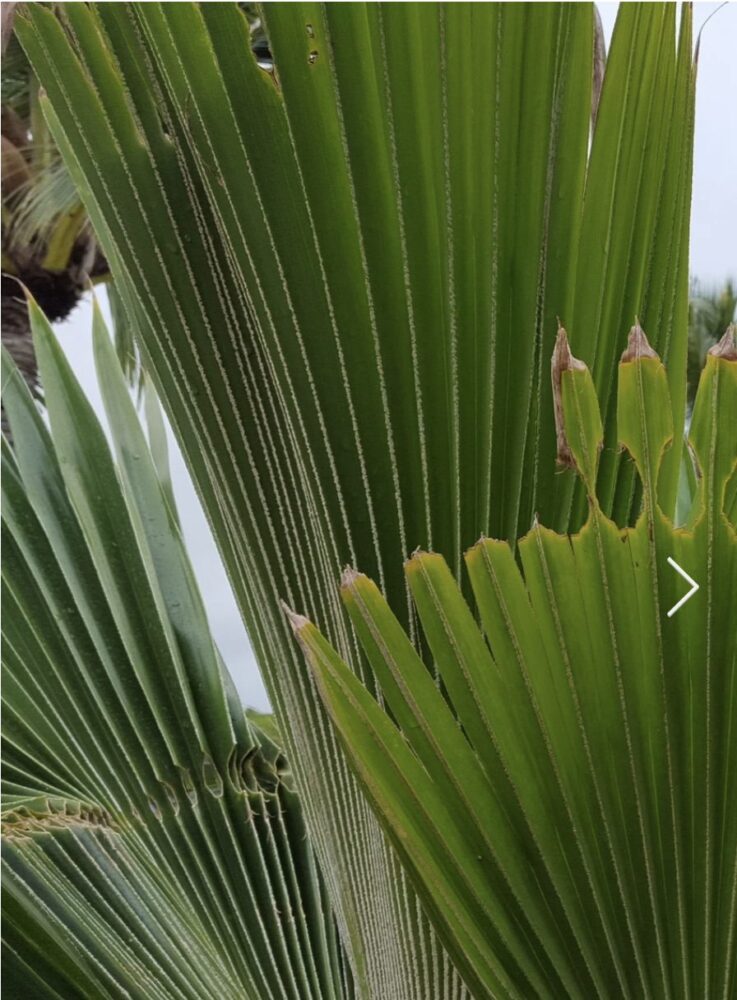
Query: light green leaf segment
(567, 800)
(153, 843)
(344, 275)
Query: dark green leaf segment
(153, 843)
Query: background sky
(713, 258)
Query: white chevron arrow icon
(692, 591)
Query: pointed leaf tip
(297, 622)
(726, 348)
(349, 577)
(638, 345)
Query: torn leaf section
(644, 415)
(577, 416)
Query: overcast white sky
(713, 258)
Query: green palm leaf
(343, 271)
(567, 802)
(153, 843)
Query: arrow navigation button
(688, 579)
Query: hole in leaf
(189, 789)
(211, 778)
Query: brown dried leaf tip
(727, 346)
(563, 361)
(638, 346)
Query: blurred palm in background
(711, 310)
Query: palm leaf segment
(566, 799)
(344, 273)
(153, 844)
